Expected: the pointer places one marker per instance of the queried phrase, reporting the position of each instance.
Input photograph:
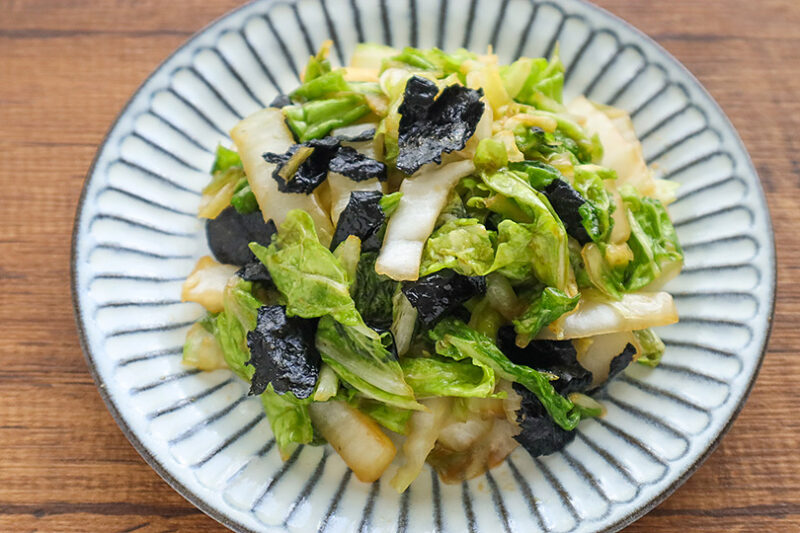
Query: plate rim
(235, 525)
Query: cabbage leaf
(599, 207)
(322, 86)
(546, 307)
(289, 419)
(435, 376)
(318, 64)
(232, 324)
(651, 347)
(317, 118)
(538, 144)
(548, 243)
(458, 341)
(463, 245)
(313, 281)
(653, 241)
(363, 362)
(535, 81)
(432, 59)
(389, 416)
(514, 256)
(225, 159)
(539, 174)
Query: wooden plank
(66, 68)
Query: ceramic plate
(137, 237)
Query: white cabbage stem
(206, 284)
(424, 197)
(266, 131)
(357, 438)
(597, 315)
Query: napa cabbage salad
(430, 257)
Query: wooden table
(66, 69)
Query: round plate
(136, 238)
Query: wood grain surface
(67, 68)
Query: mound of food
(430, 251)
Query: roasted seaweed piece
(362, 217)
(304, 166)
(621, 361)
(418, 97)
(254, 271)
(441, 293)
(430, 126)
(281, 101)
(557, 357)
(567, 202)
(283, 353)
(230, 233)
(539, 435)
(358, 167)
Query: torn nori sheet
(356, 166)
(539, 435)
(327, 154)
(311, 172)
(230, 233)
(566, 202)
(254, 271)
(430, 126)
(621, 361)
(362, 217)
(283, 353)
(440, 293)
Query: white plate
(136, 237)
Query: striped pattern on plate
(137, 237)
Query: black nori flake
(362, 217)
(557, 357)
(418, 97)
(430, 126)
(283, 353)
(440, 293)
(311, 172)
(327, 154)
(621, 361)
(539, 435)
(566, 202)
(356, 166)
(254, 271)
(281, 101)
(230, 233)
